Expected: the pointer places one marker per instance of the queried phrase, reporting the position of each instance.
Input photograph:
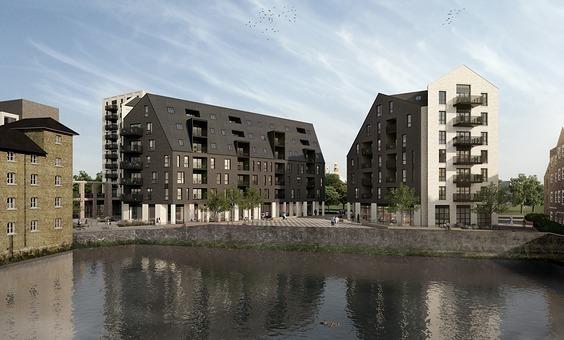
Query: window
(186, 162)
(151, 144)
(485, 138)
(170, 109)
(442, 117)
(403, 141)
(149, 128)
(484, 156)
(11, 178)
(463, 214)
(154, 177)
(58, 180)
(178, 193)
(368, 126)
(33, 225)
(58, 139)
(218, 179)
(33, 159)
(484, 173)
(442, 97)
(11, 157)
(58, 202)
(178, 161)
(226, 179)
(378, 144)
(58, 162)
(442, 192)
(379, 176)
(404, 158)
(378, 110)
(148, 160)
(227, 164)
(180, 177)
(212, 116)
(10, 230)
(11, 203)
(33, 179)
(390, 107)
(166, 161)
(442, 174)
(197, 194)
(212, 163)
(58, 223)
(404, 175)
(178, 126)
(442, 155)
(213, 146)
(181, 142)
(484, 99)
(442, 137)
(409, 121)
(34, 203)
(146, 110)
(379, 161)
(462, 90)
(379, 193)
(484, 116)
(212, 131)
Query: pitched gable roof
(17, 141)
(41, 124)
(561, 138)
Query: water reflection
(175, 292)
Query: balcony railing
(242, 153)
(131, 165)
(111, 174)
(467, 141)
(279, 170)
(202, 167)
(466, 121)
(391, 129)
(132, 149)
(112, 136)
(132, 132)
(457, 197)
(132, 181)
(279, 182)
(467, 179)
(467, 160)
(367, 152)
(467, 100)
(366, 165)
(366, 182)
(278, 142)
(111, 146)
(365, 196)
(111, 155)
(111, 127)
(391, 164)
(243, 183)
(112, 117)
(111, 107)
(391, 147)
(111, 166)
(132, 198)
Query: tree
(233, 197)
(492, 199)
(333, 182)
(251, 199)
(332, 197)
(534, 192)
(98, 177)
(517, 187)
(403, 199)
(217, 202)
(82, 176)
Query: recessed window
(11, 203)
(34, 203)
(186, 162)
(304, 141)
(151, 144)
(178, 126)
(10, 228)
(234, 120)
(442, 155)
(11, 178)
(192, 113)
(58, 139)
(442, 192)
(146, 110)
(166, 161)
(390, 107)
(213, 146)
(212, 163)
(178, 193)
(442, 137)
(237, 133)
(227, 164)
(484, 99)
(409, 121)
(378, 110)
(212, 116)
(58, 202)
(212, 131)
(442, 97)
(301, 130)
(181, 142)
(170, 109)
(11, 157)
(33, 179)
(149, 128)
(33, 159)
(58, 223)
(58, 180)
(58, 162)
(442, 117)
(33, 225)
(442, 174)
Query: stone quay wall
(472, 243)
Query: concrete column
(228, 216)
(108, 200)
(82, 196)
(373, 212)
(173, 214)
(356, 211)
(255, 214)
(348, 211)
(417, 217)
(323, 208)
(95, 200)
(259, 212)
(274, 209)
(304, 209)
(161, 213)
(285, 208)
(145, 212)
(190, 215)
(246, 214)
(207, 216)
(236, 213)
(298, 209)
(474, 218)
(125, 215)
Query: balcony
(279, 169)
(111, 166)
(243, 183)
(391, 164)
(135, 149)
(132, 132)
(242, 153)
(112, 136)
(457, 197)
(467, 179)
(111, 155)
(111, 107)
(310, 185)
(111, 146)
(200, 167)
(111, 174)
(111, 127)
(243, 167)
(367, 152)
(132, 165)
(467, 141)
(390, 180)
(132, 181)
(132, 198)
(391, 147)
(366, 182)
(463, 121)
(366, 165)
(467, 101)
(391, 129)
(112, 117)
(366, 196)
(279, 181)
(467, 160)
(279, 142)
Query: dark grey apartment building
(554, 183)
(174, 152)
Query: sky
(325, 65)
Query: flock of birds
(452, 15)
(269, 20)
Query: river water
(196, 293)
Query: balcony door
(462, 90)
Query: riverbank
(350, 239)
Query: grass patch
(33, 253)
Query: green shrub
(542, 223)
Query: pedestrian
(333, 221)
(336, 219)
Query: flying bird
(268, 21)
(452, 15)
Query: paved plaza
(321, 222)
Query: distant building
(442, 141)
(12, 110)
(93, 199)
(554, 182)
(334, 170)
(36, 164)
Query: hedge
(542, 223)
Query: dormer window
(301, 130)
(191, 113)
(170, 109)
(234, 120)
(304, 141)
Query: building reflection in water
(176, 292)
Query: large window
(442, 97)
(442, 174)
(484, 99)
(442, 155)
(10, 228)
(11, 178)
(442, 215)
(484, 116)
(463, 214)
(408, 120)
(227, 164)
(442, 137)
(442, 117)
(442, 192)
